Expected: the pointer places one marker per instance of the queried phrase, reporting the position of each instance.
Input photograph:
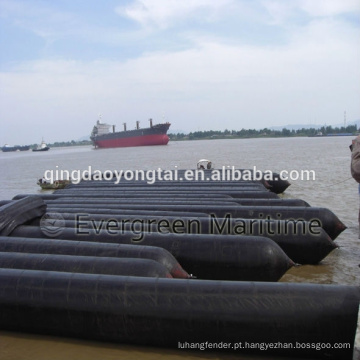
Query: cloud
(329, 7)
(212, 81)
(213, 85)
(283, 12)
(156, 13)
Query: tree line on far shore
(66, 143)
(252, 133)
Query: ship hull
(144, 140)
(42, 149)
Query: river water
(333, 188)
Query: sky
(199, 64)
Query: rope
(340, 182)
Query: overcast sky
(199, 64)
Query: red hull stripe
(145, 140)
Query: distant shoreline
(261, 137)
(265, 133)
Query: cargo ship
(7, 148)
(102, 137)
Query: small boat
(57, 184)
(41, 147)
(204, 164)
